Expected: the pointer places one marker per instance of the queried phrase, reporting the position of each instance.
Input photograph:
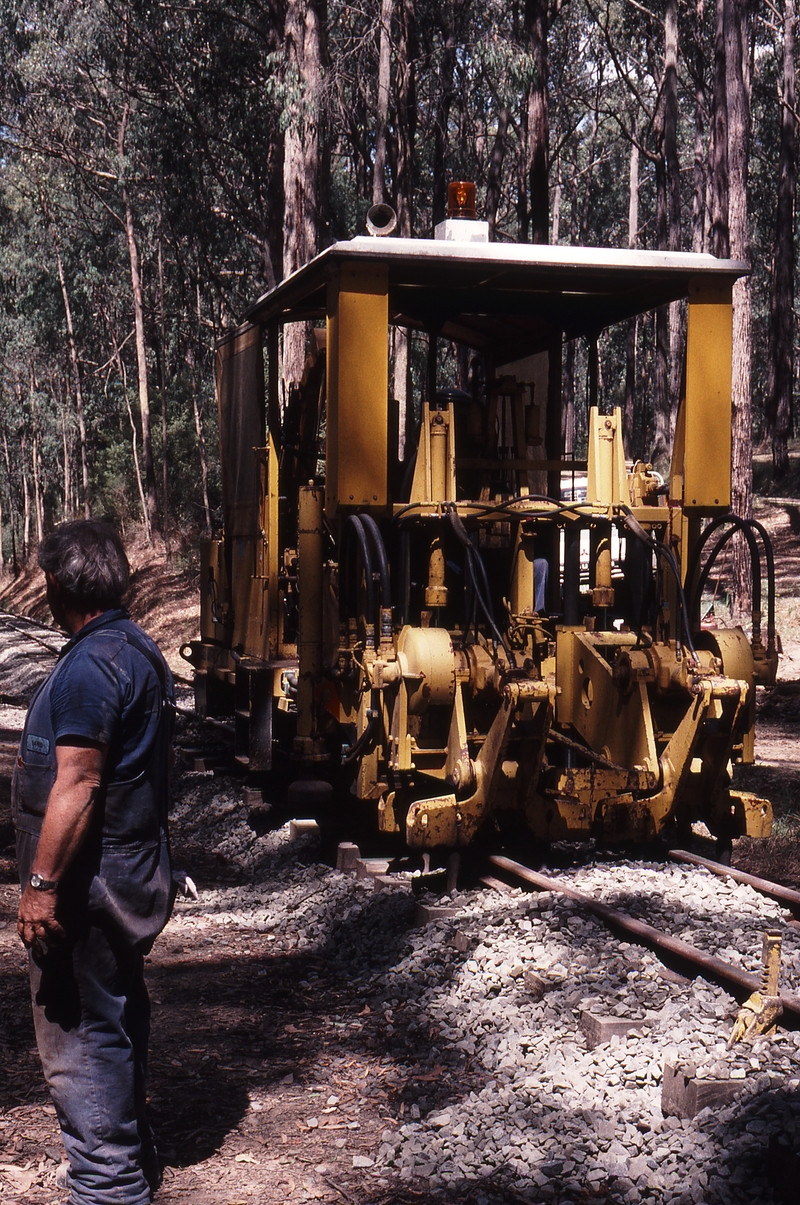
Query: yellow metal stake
(759, 1013)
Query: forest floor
(271, 1083)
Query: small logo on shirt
(37, 744)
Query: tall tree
(780, 359)
(537, 26)
(304, 33)
(737, 73)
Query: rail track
(29, 648)
(688, 956)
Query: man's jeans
(92, 1018)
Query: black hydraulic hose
(755, 561)
(359, 746)
(769, 556)
(379, 548)
(635, 528)
(353, 524)
(474, 559)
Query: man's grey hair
(88, 561)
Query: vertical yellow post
(357, 380)
(310, 544)
(273, 544)
(707, 405)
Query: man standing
(90, 809)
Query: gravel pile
(481, 1013)
(28, 652)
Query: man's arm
(70, 807)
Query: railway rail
(712, 967)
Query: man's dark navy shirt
(110, 686)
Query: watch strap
(39, 884)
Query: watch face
(40, 884)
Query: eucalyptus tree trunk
(444, 104)
(303, 36)
(38, 501)
(138, 323)
(699, 166)
(633, 324)
(199, 433)
(405, 71)
(66, 510)
(673, 182)
(26, 500)
(80, 412)
(668, 231)
(151, 501)
(134, 445)
(781, 319)
(406, 109)
(719, 237)
(537, 23)
(162, 386)
(568, 370)
(12, 509)
(494, 175)
(384, 86)
(737, 42)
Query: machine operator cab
(419, 600)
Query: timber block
(368, 868)
(252, 797)
(600, 1029)
(682, 1095)
(347, 855)
(536, 985)
(299, 828)
(426, 914)
(460, 942)
(390, 882)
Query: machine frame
(372, 623)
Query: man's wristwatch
(39, 884)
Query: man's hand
(70, 807)
(37, 923)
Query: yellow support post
(357, 381)
(706, 418)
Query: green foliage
(169, 119)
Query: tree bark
(699, 167)
(134, 445)
(197, 412)
(738, 90)
(26, 502)
(568, 371)
(781, 319)
(384, 85)
(494, 175)
(406, 114)
(38, 502)
(719, 237)
(537, 22)
(151, 500)
(66, 510)
(633, 326)
(12, 509)
(162, 386)
(303, 34)
(80, 412)
(444, 104)
(668, 234)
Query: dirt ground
(270, 1075)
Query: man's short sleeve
(86, 698)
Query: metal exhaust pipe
(381, 220)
